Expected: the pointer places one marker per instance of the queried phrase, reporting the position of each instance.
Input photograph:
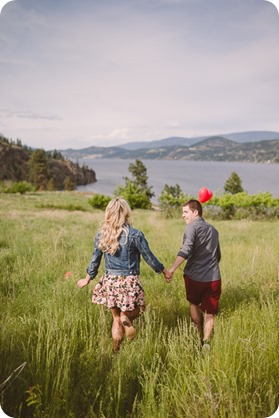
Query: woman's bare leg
(127, 318)
(117, 329)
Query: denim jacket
(126, 260)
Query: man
(202, 278)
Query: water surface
(190, 175)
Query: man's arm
(178, 261)
(218, 253)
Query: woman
(120, 288)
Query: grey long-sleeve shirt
(201, 249)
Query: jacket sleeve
(95, 261)
(147, 254)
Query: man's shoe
(205, 347)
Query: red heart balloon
(204, 195)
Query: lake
(190, 175)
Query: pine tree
(69, 184)
(139, 172)
(136, 191)
(233, 184)
(37, 169)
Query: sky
(75, 74)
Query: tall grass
(55, 346)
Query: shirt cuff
(181, 254)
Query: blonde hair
(117, 218)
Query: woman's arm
(83, 282)
(147, 254)
(93, 267)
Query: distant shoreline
(190, 175)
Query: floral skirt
(123, 292)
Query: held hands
(167, 275)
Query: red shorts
(206, 295)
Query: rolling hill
(240, 137)
(216, 148)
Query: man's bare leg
(208, 326)
(197, 317)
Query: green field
(55, 345)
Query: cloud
(26, 114)
(137, 70)
(173, 124)
(122, 133)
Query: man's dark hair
(194, 205)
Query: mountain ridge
(240, 137)
(215, 148)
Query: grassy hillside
(55, 346)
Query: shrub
(135, 196)
(242, 205)
(244, 199)
(171, 200)
(99, 201)
(172, 197)
(19, 187)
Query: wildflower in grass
(68, 274)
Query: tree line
(233, 203)
(42, 173)
(56, 155)
(139, 194)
